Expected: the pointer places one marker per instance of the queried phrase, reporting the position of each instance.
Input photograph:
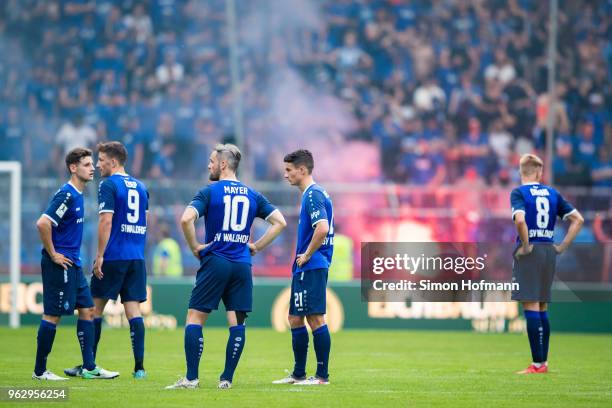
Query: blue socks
(322, 346)
(546, 334)
(194, 343)
(300, 350)
(46, 335)
(97, 321)
(235, 344)
(85, 334)
(535, 332)
(137, 334)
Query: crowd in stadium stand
(439, 91)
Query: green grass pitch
(368, 368)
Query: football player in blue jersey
(119, 267)
(315, 245)
(535, 208)
(229, 208)
(64, 285)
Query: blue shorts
(220, 279)
(534, 273)
(308, 293)
(125, 278)
(63, 290)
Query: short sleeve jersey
(66, 212)
(229, 208)
(316, 207)
(128, 200)
(541, 205)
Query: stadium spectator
(601, 171)
(475, 148)
(73, 133)
(375, 60)
(170, 71)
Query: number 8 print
(543, 206)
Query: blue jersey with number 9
(128, 200)
(229, 208)
(541, 205)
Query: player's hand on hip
(97, 269)
(61, 260)
(196, 251)
(252, 248)
(559, 249)
(302, 259)
(524, 250)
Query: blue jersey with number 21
(541, 205)
(229, 208)
(128, 200)
(316, 207)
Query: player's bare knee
(532, 306)
(296, 321)
(52, 319)
(196, 317)
(86, 313)
(132, 310)
(315, 321)
(99, 305)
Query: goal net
(10, 242)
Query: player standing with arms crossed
(229, 208)
(313, 256)
(119, 268)
(535, 208)
(64, 285)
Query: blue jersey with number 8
(541, 205)
(128, 200)
(229, 208)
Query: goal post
(14, 170)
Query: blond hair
(230, 153)
(530, 164)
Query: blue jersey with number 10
(541, 205)
(128, 200)
(229, 208)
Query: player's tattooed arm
(188, 226)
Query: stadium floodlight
(14, 170)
